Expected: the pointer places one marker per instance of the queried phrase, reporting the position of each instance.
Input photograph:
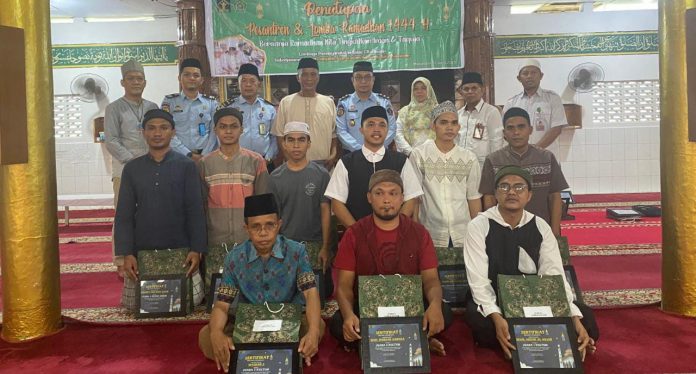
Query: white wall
(599, 158)
(82, 166)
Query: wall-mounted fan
(584, 77)
(90, 87)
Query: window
(67, 115)
(626, 102)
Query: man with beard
(387, 243)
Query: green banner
(609, 43)
(393, 35)
(90, 55)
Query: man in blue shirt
(350, 107)
(193, 113)
(266, 268)
(258, 113)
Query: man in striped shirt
(230, 174)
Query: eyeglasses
(135, 79)
(257, 227)
(517, 187)
(225, 127)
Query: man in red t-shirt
(387, 243)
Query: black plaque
(454, 284)
(394, 345)
(215, 280)
(267, 358)
(572, 279)
(161, 296)
(544, 345)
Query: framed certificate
(454, 284)
(572, 279)
(215, 280)
(161, 296)
(268, 358)
(394, 345)
(544, 345)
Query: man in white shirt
(314, 109)
(348, 185)
(544, 107)
(506, 239)
(481, 123)
(450, 176)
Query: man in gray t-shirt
(123, 123)
(547, 178)
(298, 186)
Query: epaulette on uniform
(383, 96)
(226, 103)
(344, 97)
(266, 101)
(209, 97)
(171, 96)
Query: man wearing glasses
(507, 239)
(547, 178)
(350, 107)
(266, 268)
(230, 174)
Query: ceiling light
(524, 9)
(119, 19)
(62, 20)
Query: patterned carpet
(87, 233)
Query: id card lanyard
(201, 126)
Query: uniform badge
(352, 108)
(165, 107)
(340, 111)
(178, 109)
(390, 111)
(261, 114)
(352, 122)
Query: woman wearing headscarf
(413, 123)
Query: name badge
(478, 131)
(262, 129)
(264, 325)
(201, 129)
(391, 311)
(537, 311)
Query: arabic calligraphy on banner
(393, 35)
(90, 55)
(560, 45)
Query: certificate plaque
(572, 279)
(215, 280)
(544, 345)
(161, 296)
(454, 284)
(269, 358)
(394, 345)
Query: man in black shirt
(160, 204)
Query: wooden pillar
(191, 43)
(478, 42)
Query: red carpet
(78, 253)
(88, 290)
(618, 272)
(593, 228)
(85, 229)
(635, 340)
(87, 213)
